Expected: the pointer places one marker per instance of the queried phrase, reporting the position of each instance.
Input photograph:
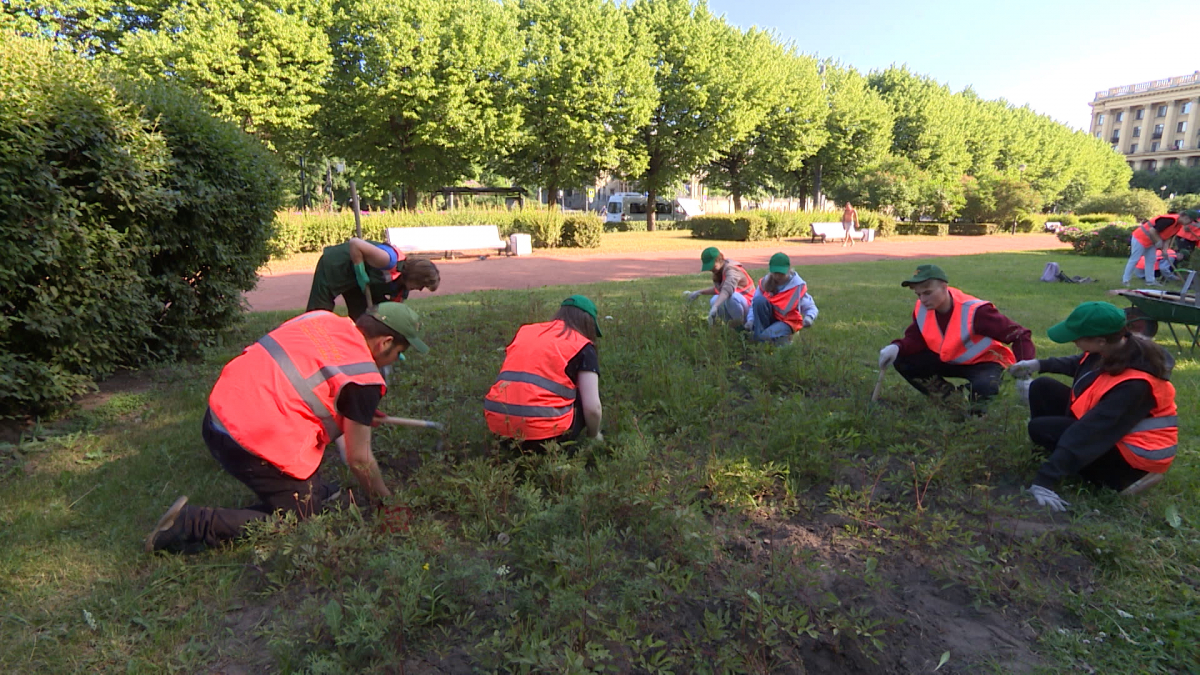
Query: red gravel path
(289, 290)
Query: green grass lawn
(748, 512)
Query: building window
(1117, 133)
(1171, 162)
(1177, 145)
(1097, 133)
(1121, 116)
(1140, 113)
(1185, 107)
(1158, 131)
(1181, 127)
(1193, 161)
(1154, 146)
(1162, 111)
(1099, 119)
(1137, 131)
(1149, 165)
(1132, 148)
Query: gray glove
(1048, 498)
(1023, 370)
(712, 315)
(1023, 390)
(692, 295)
(808, 322)
(887, 356)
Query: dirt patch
(240, 643)
(121, 383)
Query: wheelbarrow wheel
(1138, 322)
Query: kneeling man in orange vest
(955, 335)
(1115, 425)
(277, 405)
(549, 385)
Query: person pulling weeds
(732, 289)
(549, 385)
(353, 268)
(1115, 425)
(782, 305)
(277, 405)
(955, 335)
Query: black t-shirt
(586, 360)
(1162, 223)
(359, 402)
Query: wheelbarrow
(1169, 307)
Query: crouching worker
(955, 335)
(1115, 425)
(731, 291)
(549, 386)
(279, 403)
(781, 306)
(358, 266)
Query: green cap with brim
(1091, 319)
(400, 318)
(925, 273)
(1192, 215)
(780, 264)
(586, 305)
(708, 258)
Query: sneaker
(165, 532)
(1142, 484)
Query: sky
(1053, 55)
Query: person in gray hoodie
(781, 306)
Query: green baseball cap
(586, 305)
(925, 273)
(1192, 215)
(708, 258)
(1091, 319)
(400, 318)
(781, 263)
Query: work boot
(169, 530)
(1142, 484)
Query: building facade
(1154, 124)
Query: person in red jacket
(1115, 425)
(276, 406)
(548, 388)
(955, 335)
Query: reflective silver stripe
(974, 349)
(327, 372)
(794, 301)
(524, 410)
(920, 313)
(1151, 423)
(538, 381)
(300, 384)
(1164, 453)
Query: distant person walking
(850, 224)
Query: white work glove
(1023, 370)
(712, 315)
(1023, 390)
(1048, 498)
(887, 356)
(808, 322)
(692, 295)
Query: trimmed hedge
(582, 231)
(1110, 241)
(734, 227)
(973, 229)
(926, 229)
(1094, 218)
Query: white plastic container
(520, 244)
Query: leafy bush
(883, 224)
(629, 226)
(927, 229)
(1142, 204)
(735, 227)
(1093, 218)
(1110, 241)
(1184, 202)
(973, 229)
(582, 231)
(543, 225)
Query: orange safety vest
(746, 289)
(1150, 445)
(278, 398)
(1191, 233)
(786, 304)
(1142, 233)
(960, 345)
(533, 399)
(1158, 259)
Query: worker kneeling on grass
(549, 386)
(732, 289)
(955, 335)
(1115, 425)
(782, 305)
(353, 268)
(277, 405)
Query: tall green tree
(585, 87)
(929, 126)
(419, 89)
(786, 100)
(87, 27)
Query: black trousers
(1049, 419)
(276, 491)
(926, 372)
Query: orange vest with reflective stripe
(533, 399)
(1189, 232)
(787, 304)
(746, 290)
(1150, 445)
(278, 398)
(1142, 233)
(960, 345)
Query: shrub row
(729, 227)
(973, 229)
(927, 229)
(779, 224)
(1110, 241)
(311, 232)
(1104, 218)
(640, 225)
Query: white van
(626, 206)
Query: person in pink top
(850, 224)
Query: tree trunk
(737, 200)
(410, 197)
(651, 208)
(816, 187)
(551, 195)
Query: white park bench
(447, 240)
(835, 231)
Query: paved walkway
(289, 290)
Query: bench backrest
(828, 228)
(445, 238)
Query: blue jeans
(1148, 256)
(766, 327)
(733, 310)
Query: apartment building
(1154, 124)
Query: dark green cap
(781, 263)
(1192, 215)
(925, 273)
(708, 257)
(586, 305)
(400, 318)
(1091, 319)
